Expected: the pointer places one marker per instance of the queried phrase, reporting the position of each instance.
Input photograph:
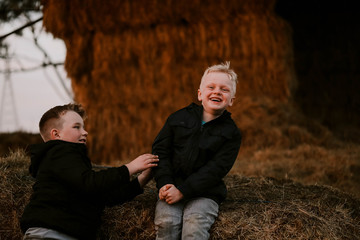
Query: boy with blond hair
(197, 146)
(68, 196)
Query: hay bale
(280, 142)
(10, 142)
(132, 63)
(15, 188)
(267, 208)
(256, 208)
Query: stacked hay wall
(132, 63)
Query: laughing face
(72, 129)
(216, 93)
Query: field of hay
(256, 208)
(308, 192)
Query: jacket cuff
(185, 191)
(163, 181)
(124, 171)
(135, 185)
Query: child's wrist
(142, 180)
(130, 168)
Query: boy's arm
(145, 176)
(162, 147)
(74, 170)
(214, 170)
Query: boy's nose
(217, 90)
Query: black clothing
(195, 157)
(68, 196)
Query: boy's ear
(231, 101)
(199, 95)
(54, 134)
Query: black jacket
(195, 157)
(68, 196)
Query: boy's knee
(197, 226)
(167, 221)
(197, 219)
(168, 227)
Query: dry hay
(256, 208)
(17, 140)
(280, 142)
(15, 188)
(132, 63)
(308, 164)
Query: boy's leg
(168, 220)
(45, 233)
(199, 216)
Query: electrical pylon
(8, 112)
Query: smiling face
(71, 128)
(216, 94)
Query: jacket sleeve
(123, 194)
(73, 168)
(162, 147)
(212, 173)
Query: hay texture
(10, 142)
(256, 208)
(132, 63)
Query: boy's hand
(172, 194)
(142, 162)
(162, 191)
(144, 177)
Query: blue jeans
(185, 220)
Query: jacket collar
(198, 109)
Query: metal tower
(8, 113)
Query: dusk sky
(34, 91)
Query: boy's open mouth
(215, 99)
(82, 140)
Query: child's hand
(162, 194)
(142, 162)
(172, 195)
(145, 177)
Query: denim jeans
(45, 233)
(185, 220)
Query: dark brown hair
(50, 118)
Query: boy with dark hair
(68, 196)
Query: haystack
(132, 63)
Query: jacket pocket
(183, 131)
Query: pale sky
(34, 91)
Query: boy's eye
(225, 90)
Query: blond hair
(224, 68)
